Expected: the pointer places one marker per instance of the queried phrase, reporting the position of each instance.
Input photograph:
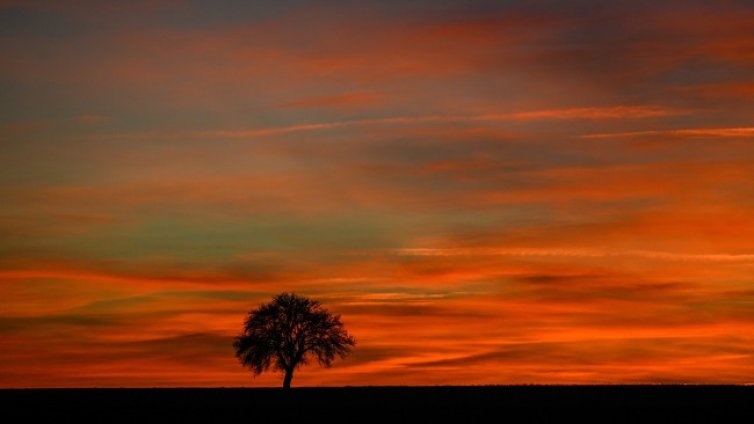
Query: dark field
(389, 404)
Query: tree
(289, 332)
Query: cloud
(599, 359)
(617, 112)
(684, 133)
(585, 253)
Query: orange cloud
(617, 112)
(690, 133)
(593, 113)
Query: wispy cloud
(688, 132)
(617, 112)
(591, 113)
(582, 253)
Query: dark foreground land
(512, 404)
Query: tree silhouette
(289, 332)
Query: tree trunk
(288, 378)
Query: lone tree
(289, 332)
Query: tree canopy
(290, 332)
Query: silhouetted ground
(511, 404)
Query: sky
(507, 192)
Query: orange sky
(488, 192)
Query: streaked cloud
(688, 133)
(586, 253)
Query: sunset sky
(488, 192)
